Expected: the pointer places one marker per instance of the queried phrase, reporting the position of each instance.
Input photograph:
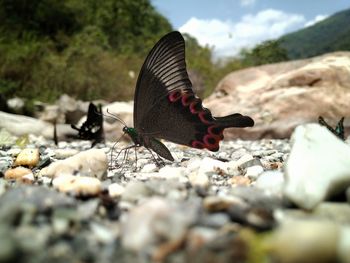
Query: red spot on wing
(196, 106)
(217, 131)
(205, 117)
(174, 96)
(187, 99)
(211, 142)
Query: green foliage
(331, 34)
(89, 49)
(265, 53)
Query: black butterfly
(339, 129)
(92, 128)
(165, 106)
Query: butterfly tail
(234, 120)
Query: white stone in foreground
(318, 166)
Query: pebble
(28, 157)
(17, 173)
(198, 208)
(156, 222)
(254, 171)
(91, 163)
(220, 203)
(78, 185)
(313, 241)
(271, 181)
(115, 190)
(317, 167)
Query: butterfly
(165, 106)
(92, 128)
(339, 129)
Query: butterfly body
(165, 106)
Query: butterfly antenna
(114, 145)
(115, 117)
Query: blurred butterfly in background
(339, 129)
(165, 106)
(92, 128)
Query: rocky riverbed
(253, 201)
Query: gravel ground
(74, 204)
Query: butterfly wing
(340, 129)
(92, 128)
(165, 105)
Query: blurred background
(94, 49)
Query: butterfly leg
(158, 162)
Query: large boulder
(281, 96)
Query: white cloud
(228, 38)
(247, 2)
(317, 19)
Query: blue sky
(230, 25)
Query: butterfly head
(132, 133)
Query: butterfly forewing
(164, 70)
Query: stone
(28, 157)
(93, 163)
(115, 190)
(221, 203)
(271, 181)
(278, 96)
(42, 198)
(19, 125)
(312, 241)
(135, 191)
(17, 173)
(78, 185)
(114, 128)
(239, 180)
(157, 223)
(317, 167)
(254, 171)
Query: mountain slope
(331, 34)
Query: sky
(227, 26)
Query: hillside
(331, 34)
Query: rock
(221, 203)
(65, 153)
(5, 164)
(156, 224)
(199, 179)
(22, 125)
(17, 173)
(278, 96)
(78, 185)
(254, 171)
(239, 181)
(343, 245)
(318, 166)
(16, 104)
(198, 237)
(313, 241)
(115, 190)
(28, 157)
(91, 163)
(149, 168)
(135, 191)
(42, 198)
(112, 127)
(271, 181)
